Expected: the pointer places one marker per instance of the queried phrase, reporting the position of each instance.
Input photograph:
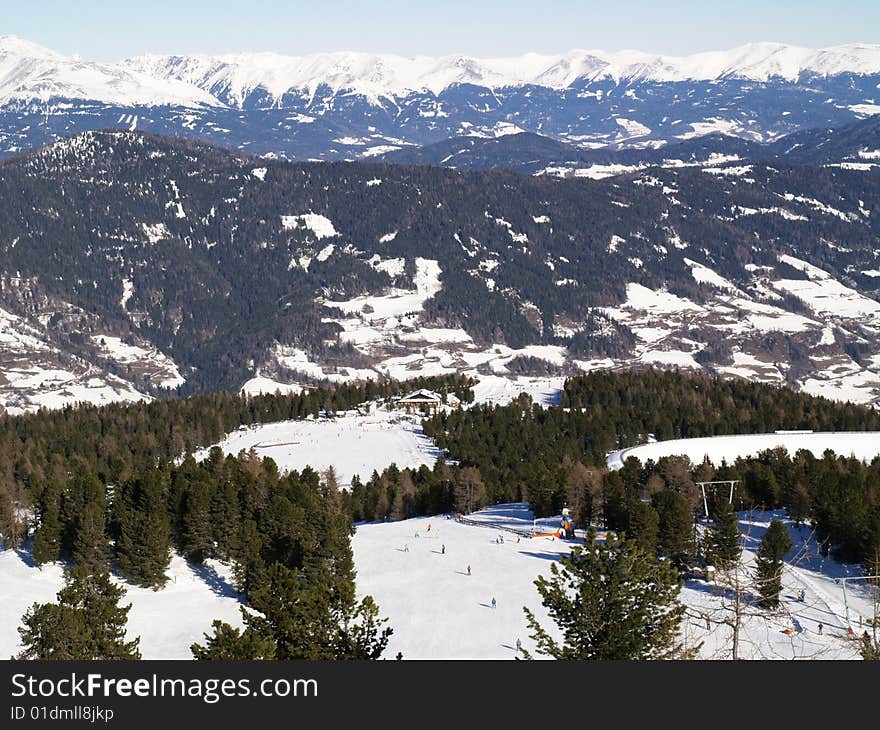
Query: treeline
(655, 502)
(286, 536)
(400, 494)
(60, 461)
(523, 451)
(629, 404)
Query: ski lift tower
(715, 486)
(866, 578)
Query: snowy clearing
(863, 445)
(168, 621)
(352, 443)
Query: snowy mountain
(32, 74)
(357, 105)
(534, 154)
(235, 78)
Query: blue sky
(107, 29)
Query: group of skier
(499, 540)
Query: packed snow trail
(436, 609)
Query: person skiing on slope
(443, 550)
(494, 605)
(469, 570)
(406, 548)
(820, 628)
(429, 527)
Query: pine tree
(723, 546)
(47, 538)
(231, 644)
(86, 623)
(643, 525)
(610, 600)
(196, 530)
(676, 528)
(306, 619)
(54, 631)
(362, 634)
(90, 546)
(769, 562)
(143, 548)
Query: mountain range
(355, 105)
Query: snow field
(352, 444)
(168, 621)
(864, 445)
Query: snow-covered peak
(29, 72)
(13, 46)
(387, 75)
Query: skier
(469, 570)
(802, 595)
(443, 550)
(406, 548)
(417, 533)
(820, 628)
(518, 645)
(494, 605)
(429, 527)
(502, 539)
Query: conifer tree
(47, 538)
(723, 546)
(301, 618)
(643, 525)
(610, 600)
(87, 622)
(232, 644)
(90, 546)
(143, 547)
(197, 533)
(769, 562)
(676, 528)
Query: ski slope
(352, 443)
(437, 611)
(791, 631)
(863, 445)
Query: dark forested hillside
(218, 260)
